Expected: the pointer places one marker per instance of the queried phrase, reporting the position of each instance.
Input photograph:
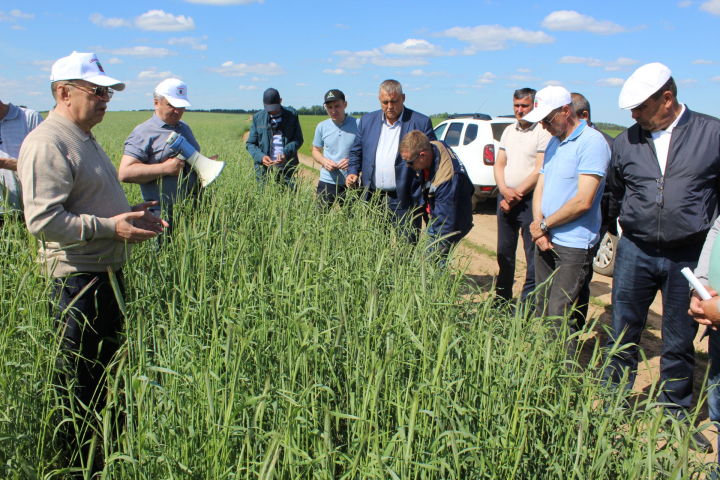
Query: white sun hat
(644, 81)
(547, 100)
(175, 91)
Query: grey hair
(391, 86)
(580, 104)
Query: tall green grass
(270, 341)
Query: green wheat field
(270, 341)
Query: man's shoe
(700, 443)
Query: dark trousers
(510, 225)
(408, 221)
(282, 174)
(90, 324)
(329, 193)
(640, 271)
(566, 270)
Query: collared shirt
(521, 146)
(147, 143)
(386, 154)
(584, 151)
(661, 140)
(335, 141)
(14, 126)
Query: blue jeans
(509, 226)
(640, 271)
(713, 381)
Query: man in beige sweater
(76, 207)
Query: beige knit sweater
(70, 191)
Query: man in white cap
(566, 205)
(76, 207)
(147, 158)
(666, 179)
(15, 124)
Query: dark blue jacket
(362, 154)
(678, 208)
(449, 192)
(259, 142)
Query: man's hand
(505, 206)
(535, 230)
(8, 163)
(543, 243)
(173, 166)
(511, 195)
(351, 180)
(138, 225)
(267, 161)
(705, 312)
(343, 164)
(329, 165)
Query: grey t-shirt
(147, 143)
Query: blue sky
(452, 56)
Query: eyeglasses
(412, 160)
(98, 91)
(548, 122)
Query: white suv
(475, 137)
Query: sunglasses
(98, 91)
(547, 121)
(412, 160)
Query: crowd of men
(561, 184)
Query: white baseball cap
(644, 81)
(83, 66)
(547, 100)
(175, 91)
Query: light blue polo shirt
(584, 151)
(335, 141)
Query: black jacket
(678, 208)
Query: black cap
(333, 95)
(271, 100)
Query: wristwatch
(543, 226)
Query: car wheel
(604, 261)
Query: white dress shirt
(386, 154)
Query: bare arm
(8, 163)
(577, 205)
(133, 170)
(528, 185)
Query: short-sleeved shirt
(584, 151)
(14, 127)
(335, 140)
(147, 143)
(521, 146)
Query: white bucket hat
(83, 66)
(175, 91)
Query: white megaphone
(208, 170)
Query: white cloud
(334, 71)
(523, 78)
(361, 58)
(419, 72)
(192, 42)
(613, 65)
(711, 6)
(139, 51)
(105, 22)
(715, 79)
(523, 70)
(556, 83)
(572, 21)
(153, 74)
(486, 78)
(687, 81)
(301, 84)
(495, 37)
(161, 21)
(342, 26)
(17, 27)
(114, 61)
(44, 65)
(15, 15)
(684, 3)
(231, 69)
(415, 47)
(225, 2)
(247, 87)
(701, 61)
(611, 82)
